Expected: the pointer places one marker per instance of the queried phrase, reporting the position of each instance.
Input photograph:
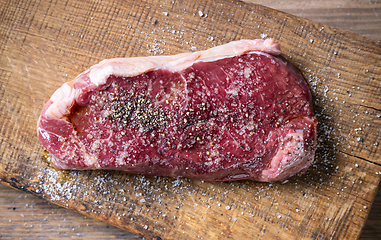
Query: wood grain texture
(44, 44)
(362, 17)
(27, 216)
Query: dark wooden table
(31, 217)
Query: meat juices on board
(236, 111)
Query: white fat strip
(128, 67)
(62, 100)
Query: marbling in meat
(236, 111)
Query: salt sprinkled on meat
(181, 121)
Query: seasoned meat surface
(237, 111)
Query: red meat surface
(242, 115)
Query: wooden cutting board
(45, 44)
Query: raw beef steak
(236, 111)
